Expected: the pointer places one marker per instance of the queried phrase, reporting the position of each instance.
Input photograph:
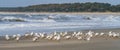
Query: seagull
(79, 37)
(96, 34)
(65, 33)
(88, 38)
(26, 35)
(110, 34)
(57, 37)
(42, 35)
(35, 39)
(37, 35)
(18, 37)
(67, 37)
(49, 37)
(101, 34)
(32, 33)
(55, 33)
(14, 36)
(7, 37)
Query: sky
(22, 3)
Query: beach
(59, 25)
(10, 26)
(94, 44)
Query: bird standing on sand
(7, 37)
(96, 34)
(35, 39)
(68, 37)
(110, 34)
(89, 35)
(55, 33)
(101, 34)
(57, 37)
(14, 36)
(26, 35)
(88, 38)
(32, 33)
(65, 33)
(79, 37)
(17, 37)
(37, 35)
(42, 35)
(49, 37)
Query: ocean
(22, 23)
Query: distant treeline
(65, 7)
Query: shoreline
(114, 13)
(98, 43)
(94, 44)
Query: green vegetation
(66, 7)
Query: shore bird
(101, 34)
(67, 37)
(64, 35)
(89, 35)
(88, 38)
(26, 35)
(96, 34)
(79, 37)
(32, 34)
(37, 35)
(7, 37)
(57, 37)
(18, 36)
(42, 35)
(55, 33)
(49, 37)
(35, 39)
(14, 36)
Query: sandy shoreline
(114, 13)
(94, 44)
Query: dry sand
(94, 44)
(111, 13)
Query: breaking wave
(58, 18)
(20, 23)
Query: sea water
(22, 23)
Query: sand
(93, 44)
(34, 13)
(96, 44)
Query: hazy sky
(17, 3)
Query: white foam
(53, 22)
(8, 18)
(44, 20)
(110, 18)
(28, 15)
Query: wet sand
(73, 44)
(96, 44)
